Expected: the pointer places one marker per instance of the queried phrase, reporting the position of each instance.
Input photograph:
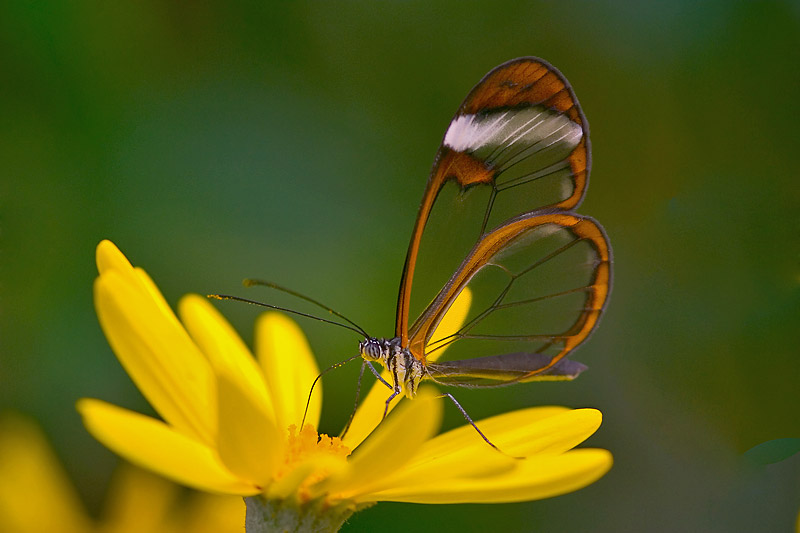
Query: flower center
(307, 444)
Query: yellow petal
(462, 453)
(30, 477)
(108, 257)
(532, 479)
(289, 368)
(155, 446)
(389, 447)
(137, 501)
(225, 350)
(157, 353)
(450, 324)
(250, 444)
(455, 464)
(518, 433)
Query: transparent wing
(518, 143)
(539, 284)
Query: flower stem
(288, 516)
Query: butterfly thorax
(405, 369)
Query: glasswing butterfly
(513, 165)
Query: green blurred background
(291, 142)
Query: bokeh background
(291, 142)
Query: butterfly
(497, 221)
(497, 228)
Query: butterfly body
(405, 370)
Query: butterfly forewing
(513, 162)
(519, 142)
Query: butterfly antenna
(262, 283)
(286, 310)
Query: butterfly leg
(395, 390)
(377, 375)
(389, 401)
(475, 427)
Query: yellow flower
(230, 421)
(36, 496)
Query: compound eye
(374, 350)
(368, 348)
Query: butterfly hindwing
(539, 284)
(503, 369)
